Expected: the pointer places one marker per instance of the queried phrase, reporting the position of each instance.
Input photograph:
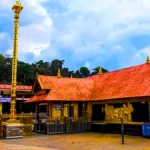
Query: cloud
(145, 50)
(141, 54)
(103, 30)
(3, 35)
(35, 30)
(88, 65)
(96, 32)
(5, 41)
(6, 5)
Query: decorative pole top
(147, 59)
(100, 70)
(17, 7)
(58, 73)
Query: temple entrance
(134, 114)
(55, 123)
(5, 108)
(97, 113)
(141, 112)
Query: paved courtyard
(84, 141)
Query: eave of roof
(18, 88)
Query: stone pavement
(21, 147)
(80, 141)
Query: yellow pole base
(13, 121)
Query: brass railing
(1, 133)
(53, 125)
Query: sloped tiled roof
(128, 82)
(66, 88)
(19, 87)
(124, 83)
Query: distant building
(23, 93)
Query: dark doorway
(72, 111)
(28, 107)
(5, 108)
(43, 108)
(97, 113)
(141, 112)
(80, 106)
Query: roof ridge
(118, 70)
(62, 77)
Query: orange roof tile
(66, 88)
(37, 98)
(19, 87)
(124, 83)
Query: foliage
(95, 71)
(26, 72)
(84, 71)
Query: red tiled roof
(19, 87)
(37, 98)
(66, 88)
(124, 83)
(128, 82)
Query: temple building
(101, 99)
(23, 94)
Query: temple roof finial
(58, 73)
(100, 70)
(147, 59)
(36, 74)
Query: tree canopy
(26, 72)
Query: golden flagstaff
(17, 8)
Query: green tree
(55, 64)
(95, 71)
(84, 71)
(26, 72)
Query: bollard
(122, 130)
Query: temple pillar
(62, 109)
(1, 107)
(89, 111)
(69, 109)
(84, 109)
(47, 108)
(50, 109)
(76, 110)
(65, 110)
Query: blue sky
(113, 34)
